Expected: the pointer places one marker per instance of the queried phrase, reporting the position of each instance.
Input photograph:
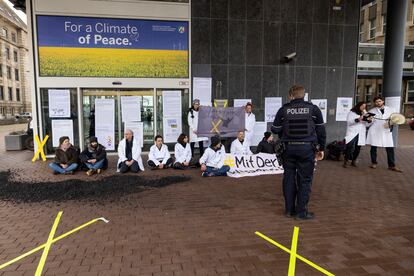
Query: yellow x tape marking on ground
(40, 146)
(292, 252)
(215, 126)
(40, 247)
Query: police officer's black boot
(346, 163)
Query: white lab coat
(193, 125)
(182, 154)
(355, 128)
(250, 121)
(136, 154)
(239, 148)
(213, 158)
(378, 135)
(159, 155)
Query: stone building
(15, 94)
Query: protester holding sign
(212, 161)
(182, 153)
(193, 125)
(240, 145)
(266, 145)
(300, 127)
(159, 157)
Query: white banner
(131, 108)
(272, 106)
(62, 128)
(251, 165)
(59, 103)
(105, 122)
(138, 130)
(202, 90)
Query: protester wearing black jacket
(266, 145)
(94, 157)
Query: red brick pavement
(364, 225)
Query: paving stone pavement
(364, 224)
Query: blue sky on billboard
(91, 32)
(21, 14)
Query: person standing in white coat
(356, 130)
(381, 136)
(193, 127)
(240, 145)
(129, 153)
(249, 121)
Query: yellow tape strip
(40, 247)
(48, 245)
(292, 261)
(215, 126)
(40, 146)
(297, 256)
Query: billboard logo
(181, 29)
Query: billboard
(71, 46)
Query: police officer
(301, 129)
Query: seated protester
(129, 152)
(266, 145)
(66, 158)
(240, 145)
(182, 153)
(159, 156)
(212, 161)
(94, 157)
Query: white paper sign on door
(323, 106)
(343, 106)
(202, 90)
(59, 103)
(172, 129)
(138, 130)
(241, 102)
(62, 128)
(394, 103)
(105, 122)
(171, 103)
(131, 108)
(272, 105)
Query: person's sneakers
(98, 171)
(309, 215)
(373, 166)
(90, 172)
(290, 214)
(206, 174)
(353, 163)
(346, 164)
(395, 169)
(70, 172)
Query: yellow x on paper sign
(293, 254)
(40, 146)
(215, 126)
(46, 246)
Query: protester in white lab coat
(380, 135)
(193, 126)
(356, 130)
(182, 153)
(240, 145)
(250, 121)
(212, 161)
(159, 157)
(129, 153)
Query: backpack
(336, 150)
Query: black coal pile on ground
(107, 188)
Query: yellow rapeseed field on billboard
(109, 62)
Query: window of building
(15, 56)
(410, 91)
(379, 90)
(361, 32)
(4, 32)
(8, 53)
(10, 94)
(372, 28)
(18, 94)
(368, 94)
(16, 74)
(384, 23)
(1, 93)
(14, 37)
(8, 72)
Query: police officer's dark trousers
(298, 165)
